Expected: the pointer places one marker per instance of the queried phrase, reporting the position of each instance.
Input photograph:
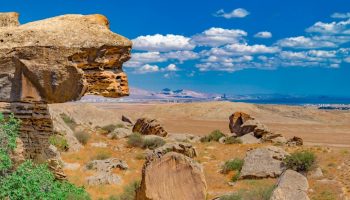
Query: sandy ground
(316, 127)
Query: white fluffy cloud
(162, 43)
(218, 36)
(171, 68)
(341, 15)
(303, 42)
(263, 34)
(342, 27)
(245, 49)
(181, 55)
(236, 13)
(147, 69)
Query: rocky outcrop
(264, 162)
(146, 126)
(179, 147)
(127, 120)
(237, 119)
(56, 60)
(104, 173)
(291, 186)
(172, 176)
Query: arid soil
(327, 134)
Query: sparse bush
(232, 197)
(135, 140)
(301, 161)
(153, 143)
(236, 176)
(257, 193)
(140, 156)
(129, 192)
(59, 141)
(213, 136)
(233, 140)
(69, 121)
(232, 165)
(82, 137)
(102, 155)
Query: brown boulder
(180, 147)
(146, 126)
(172, 177)
(236, 121)
(295, 141)
(60, 59)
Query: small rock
(119, 133)
(249, 139)
(147, 126)
(316, 173)
(107, 165)
(179, 137)
(103, 178)
(183, 148)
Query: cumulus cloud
(171, 68)
(340, 15)
(147, 69)
(236, 13)
(218, 36)
(162, 43)
(303, 42)
(245, 49)
(181, 55)
(263, 34)
(342, 27)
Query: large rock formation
(264, 162)
(56, 60)
(147, 126)
(291, 186)
(171, 177)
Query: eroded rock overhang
(60, 59)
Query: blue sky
(224, 46)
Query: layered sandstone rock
(146, 126)
(56, 60)
(62, 58)
(172, 176)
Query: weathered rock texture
(56, 60)
(291, 186)
(179, 147)
(265, 162)
(149, 127)
(171, 177)
(236, 121)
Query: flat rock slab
(265, 162)
(291, 186)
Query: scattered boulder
(103, 178)
(119, 133)
(316, 173)
(104, 171)
(107, 165)
(99, 144)
(178, 137)
(264, 162)
(179, 147)
(295, 141)
(127, 120)
(249, 139)
(236, 121)
(146, 126)
(291, 186)
(172, 176)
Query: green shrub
(301, 161)
(135, 140)
(213, 136)
(236, 176)
(129, 192)
(233, 140)
(82, 137)
(256, 193)
(153, 143)
(231, 197)
(69, 121)
(37, 182)
(232, 165)
(8, 133)
(59, 141)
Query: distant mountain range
(184, 95)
